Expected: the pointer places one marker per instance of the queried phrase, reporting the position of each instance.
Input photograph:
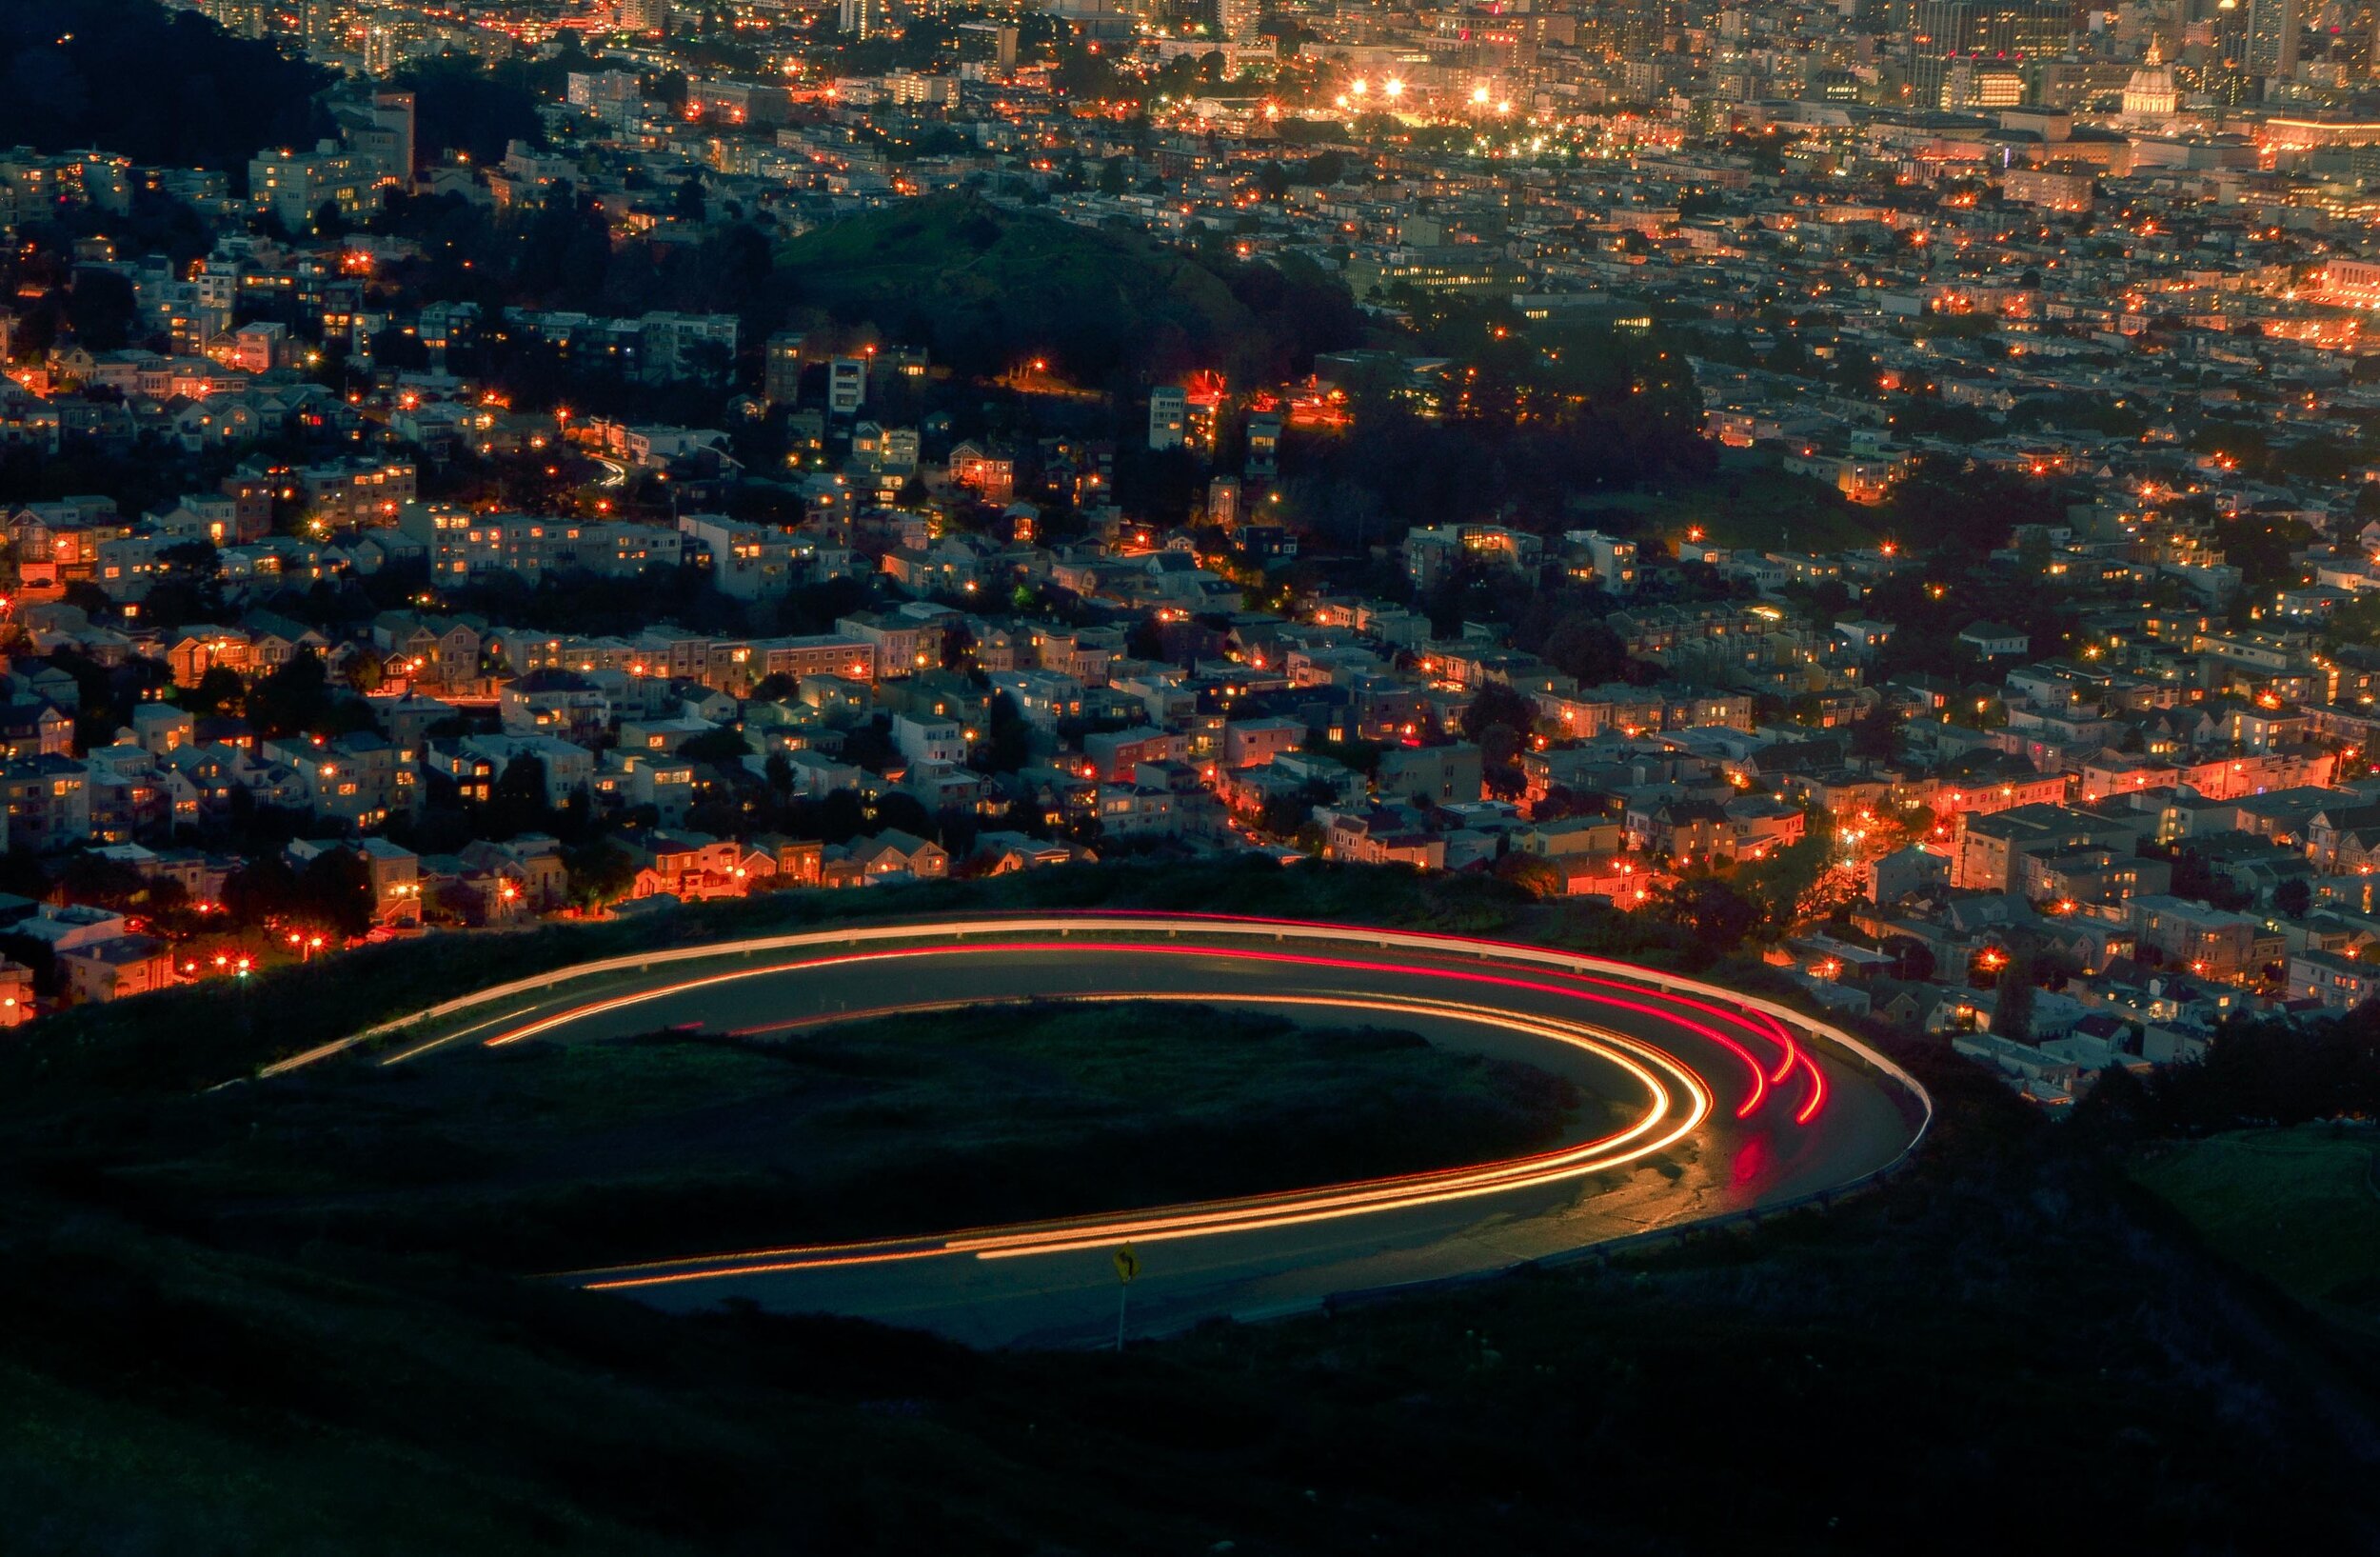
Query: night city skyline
(1260, 776)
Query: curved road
(1725, 1103)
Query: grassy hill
(2298, 1204)
(198, 1035)
(988, 288)
(1870, 1381)
(558, 1156)
(1873, 1379)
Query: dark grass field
(2299, 1206)
(1883, 1379)
(2014, 1346)
(546, 1156)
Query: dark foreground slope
(550, 1157)
(1882, 1380)
(2012, 1347)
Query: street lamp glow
(1479, 95)
(1394, 88)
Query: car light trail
(1751, 1104)
(1678, 1104)
(1689, 1048)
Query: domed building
(2151, 100)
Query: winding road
(1729, 1105)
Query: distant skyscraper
(1981, 42)
(1238, 19)
(2358, 46)
(863, 18)
(2272, 29)
(2227, 70)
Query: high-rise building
(780, 367)
(2272, 29)
(863, 18)
(1238, 19)
(644, 16)
(2357, 46)
(1993, 38)
(2227, 77)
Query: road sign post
(1127, 1266)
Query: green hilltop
(987, 288)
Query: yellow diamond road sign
(1127, 1262)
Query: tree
(1499, 705)
(515, 803)
(101, 310)
(601, 872)
(293, 698)
(1713, 913)
(458, 103)
(716, 746)
(2012, 1013)
(336, 891)
(1872, 735)
(2293, 897)
(1531, 874)
(219, 690)
(1968, 508)
(1010, 743)
(1912, 958)
(1586, 647)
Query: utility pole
(1127, 1266)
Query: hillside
(987, 288)
(272, 1380)
(157, 86)
(555, 1156)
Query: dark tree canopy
(158, 86)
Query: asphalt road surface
(1729, 1111)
